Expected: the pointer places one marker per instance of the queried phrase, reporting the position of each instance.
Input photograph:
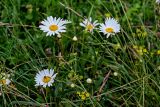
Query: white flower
(4, 79)
(45, 77)
(158, 1)
(53, 25)
(89, 25)
(110, 27)
(89, 80)
(74, 38)
(4, 82)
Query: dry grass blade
(71, 10)
(103, 84)
(13, 25)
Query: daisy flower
(4, 79)
(89, 26)
(54, 25)
(158, 1)
(110, 27)
(45, 77)
(4, 82)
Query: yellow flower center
(89, 27)
(110, 30)
(46, 79)
(3, 81)
(53, 27)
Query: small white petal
(158, 1)
(83, 25)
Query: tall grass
(24, 50)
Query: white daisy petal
(55, 75)
(63, 30)
(57, 21)
(49, 19)
(45, 23)
(95, 22)
(83, 25)
(158, 1)
(48, 34)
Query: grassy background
(24, 50)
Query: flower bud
(89, 81)
(74, 38)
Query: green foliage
(132, 53)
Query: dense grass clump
(92, 70)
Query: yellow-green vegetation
(79, 53)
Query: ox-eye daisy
(53, 25)
(45, 77)
(4, 79)
(110, 27)
(158, 1)
(89, 26)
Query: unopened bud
(89, 80)
(74, 38)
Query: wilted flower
(89, 25)
(4, 79)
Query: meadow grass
(132, 54)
